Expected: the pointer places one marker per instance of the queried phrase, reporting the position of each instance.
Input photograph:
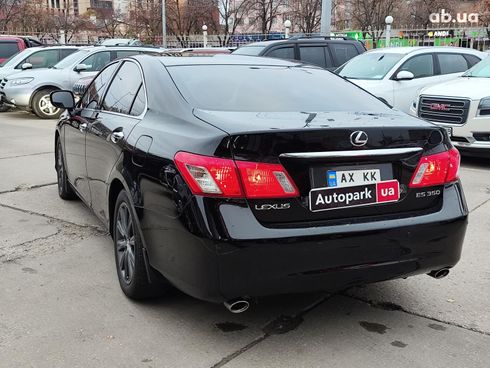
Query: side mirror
(81, 67)
(404, 75)
(26, 66)
(63, 100)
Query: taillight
(262, 180)
(209, 175)
(436, 169)
(221, 177)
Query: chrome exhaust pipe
(439, 274)
(237, 305)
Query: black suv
(326, 52)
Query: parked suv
(396, 74)
(30, 89)
(10, 45)
(33, 58)
(462, 106)
(325, 52)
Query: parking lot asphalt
(61, 306)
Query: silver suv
(33, 58)
(30, 89)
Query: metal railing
(477, 38)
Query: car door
(75, 127)
(123, 106)
(405, 91)
(41, 59)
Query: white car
(396, 75)
(33, 58)
(463, 107)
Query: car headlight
(484, 107)
(20, 81)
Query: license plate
(324, 199)
(349, 178)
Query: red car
(10, 45)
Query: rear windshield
(7, 49)
(249, 50)
(269, 88)
(370, 65)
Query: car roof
(63, 47)
(412, 49)
(299, 40)
(222, 59)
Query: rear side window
(282, 53)
(123, 89)
(7, 49)
(421, 66)
(313, 54)
(472, 60)
(342, 52)
(122, 54)
(65, 52)
(452, 63)
(139, 102)
(249, 50)
(92, 98)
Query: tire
(130, 262)
(65, 191)
(41, 105)
(3, 107)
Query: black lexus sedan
(236, 177)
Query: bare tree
(266, 12)
(231, 15)
(8, 12)
(33, 17)
(369, 16)
(69, 23)
(186, 17)
(419, 11)
(110, 22)
(484, 14)
(306, 14)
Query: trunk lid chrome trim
(354, 153)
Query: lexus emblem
(358, 138)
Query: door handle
(117, 136)
(83, 127)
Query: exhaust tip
(439, 274)
(237, 305)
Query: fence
(471, 38)
(477, 38)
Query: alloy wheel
(125, 243)
(46, 106)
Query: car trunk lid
(357, 150)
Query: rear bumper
(257, 261)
